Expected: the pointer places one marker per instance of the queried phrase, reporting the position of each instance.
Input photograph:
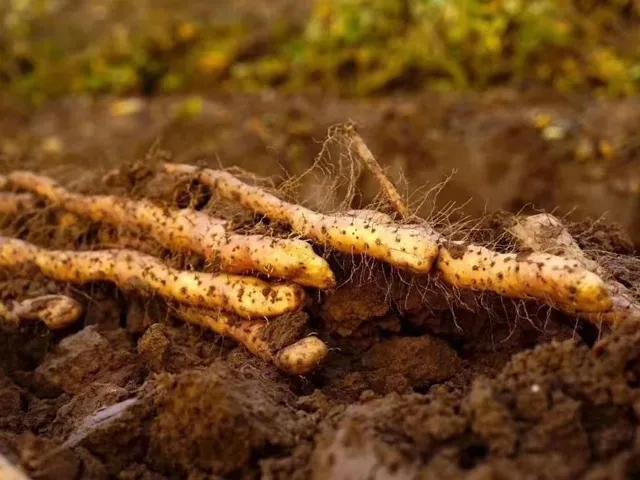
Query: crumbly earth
(418, 384)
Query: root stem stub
(560, 282)
(409, 247)
(55, 311)
(191, 230)
(248, 297)
(14, 203)
(299, 358)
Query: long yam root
(55, 311)
(186, 229)
(546, 233)
(299, 358)
(556, 280)
(248, 297)
(410, 247)
(388, 188)
(14, 203)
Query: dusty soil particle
(93, 398)
(409, 362)
(282, 331)
(153, 347)
(348, 307)
(11, 404)
(103, 310)
(88, 356)
(600, 236)
(243, 416)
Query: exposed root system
(246, 296)
(409, 247)
(299, 358)
(191, 230)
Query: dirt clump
(559, 410)
(168, 348)
(212, 421)
(89, 355)
(402, 363)
(351, 305)
(285, 329)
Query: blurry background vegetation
(50, 48)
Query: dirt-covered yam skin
(299, 358)
(303, 356)
(409, 247)
(561, 282)
(55, 311)
(248, 297)
(545, 233)
(187, 229)
(13, 203)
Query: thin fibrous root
(561, 282)
(299, 358)
(388, 188)
(409, 247)
(246, 296)
(55, 311)
(546, 233)
(187, 229)
(14, 203)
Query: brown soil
(418, 384)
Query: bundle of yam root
(253, 278)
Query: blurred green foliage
(357, 47)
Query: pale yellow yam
(4, 181)
(299, 358)
(14, 203)
(8, 471)
(246, 332)
(187, 229)
(55, 311)
(545, 233)
(410, 247)
(246, 296)
(303, 356)
(561, 282)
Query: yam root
(191, 230)
(14, 203)
(388, 188)
(546, 233)
(55, 311)
(246, 296)
(561, 282)
(409, 247)
(299, 358)
(8, 471)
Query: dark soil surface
(418, 384)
